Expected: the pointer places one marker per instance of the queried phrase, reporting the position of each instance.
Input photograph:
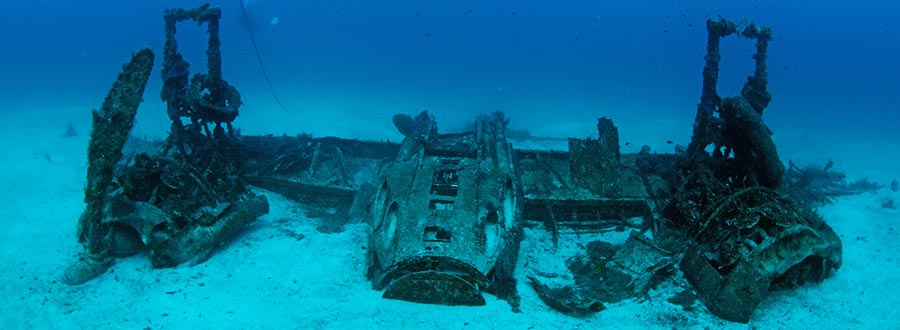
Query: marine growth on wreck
(446, 211)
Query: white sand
(267, 279)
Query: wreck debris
(746, 237)
(191, 212)
(200, 190)
(747, 242)
(748, 138)
(739, 128)
(195, 244)
(587, 215)
(446, 211)
(112, 125)
(814, 186)
(204, 99)
(566, 299)
(176, 208)
(133, 223)
(465, 238)
(736, 262)
(609, 273)
(422, 128)
(606, 192)
(608, 195)
(337, 191)
(595, 163)
(643, 261)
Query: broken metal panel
(544, 173)
(322, 161)
(590, 188)
(445, 217)
(332, 176)
(586, 215)
(595, 163)
(307, 193)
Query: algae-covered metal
(444, 222)
(446, 211)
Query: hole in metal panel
(436, 234)
(437, 205)
(445, 182)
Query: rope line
(262, 67)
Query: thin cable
(262, 67)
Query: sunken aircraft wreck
(447, 211)
(445, 219)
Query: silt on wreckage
(446, 212)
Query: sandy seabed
(267, 278)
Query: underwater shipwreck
(447, 212)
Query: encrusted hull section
(445, 218)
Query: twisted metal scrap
(740, 222)
(753, 241)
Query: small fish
(669, 141)
(70, 131)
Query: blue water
(552, 66)
(832, 63)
